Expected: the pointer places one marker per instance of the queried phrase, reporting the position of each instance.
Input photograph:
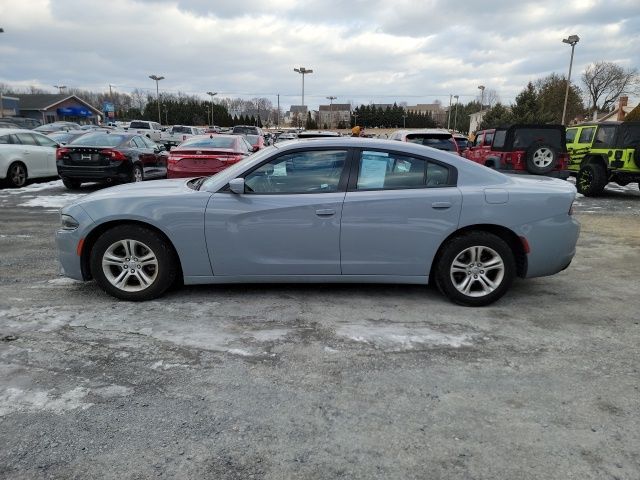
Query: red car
(527, 149)
(206, 154)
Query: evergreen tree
(526, 109)
(496, 116)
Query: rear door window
(488, 138)
(26, 139)
(389, 171)
(571, 134)
(586, 135)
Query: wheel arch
(595, 159)
(506, 234)
(93, 236)
(493, 162)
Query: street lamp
(211, 94)
(404, 120)
(60, 88)
(481, 87)
(303, 71)
(455, 115)
(157, 79)
(572, 40)
(331, 98)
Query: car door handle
(325, 212)
(441, 205)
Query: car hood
(155, 188)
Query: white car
(26, 154)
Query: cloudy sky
(361, 51)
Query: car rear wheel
(17, 175)
(541, 159)
(137, 175)
(475, 269)
(132, 262)
(591, 179)
(71, 184)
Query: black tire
(137, 173)
(71, 184)
(591, 179)
(541, 158)
(161, 276)
(478, 277)
(17, 175)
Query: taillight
(113, 155)
(61, 153)
(172, 160)
(233, 159)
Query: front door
(288, 220)
(397, 213)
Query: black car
(110, 158)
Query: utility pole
(157, 79)
(331, 98)
(455, 116)
(278, 113)
(449, 113)
(211, 95)
(404, 120)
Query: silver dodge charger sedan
(326, 210)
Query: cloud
(374, 50)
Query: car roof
(427, 131)
(6, 131)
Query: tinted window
(245, 130)
(316, 171)
(384, 171)
(478, 140)
(441, 142)
(586, 135)
(214, 142)
(571, 134)
(181, 129)
(26, 139)
(140, 125)
(99, 139)
(498, 138)
(604, 135)
(136, 142)
(147, 142)
(523, 138)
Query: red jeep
(527, 149)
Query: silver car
(326, 210)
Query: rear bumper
(190, 173)
(561, 174)
(120, 173)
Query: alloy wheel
(543, 157)
(477, 271)
(18, 175)
(130, 265)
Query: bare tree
(606, 81)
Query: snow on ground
(401, 337)
(52, 201)
(16, 399)
(34, 187)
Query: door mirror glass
(237, 185)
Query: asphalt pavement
(320, 381)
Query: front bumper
(69, 244)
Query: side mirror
(237, 185)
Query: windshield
(441, 142)
(215, 142)
(238, 168)
(244, 130)
(99, 139)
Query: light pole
(481, 87)
(211, 94)
(60, 88)
(303, 71)
(455, 115)
(404, 120)
(157, 79)
(331, 98)
(572, 40)
(449, 113)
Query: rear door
(397, 211)
(35, 156)
(49, 147)
(288, 220)
(146, 155)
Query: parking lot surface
(320, 381)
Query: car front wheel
(591, 179)
(132, 262)
(475, 269)
(17, 175)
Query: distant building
(8, 106)
(332, 115)
(48, 108)
(475, 119)
(438, 114)
(618, 114)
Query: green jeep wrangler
(602, 153)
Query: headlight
(67, 222)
